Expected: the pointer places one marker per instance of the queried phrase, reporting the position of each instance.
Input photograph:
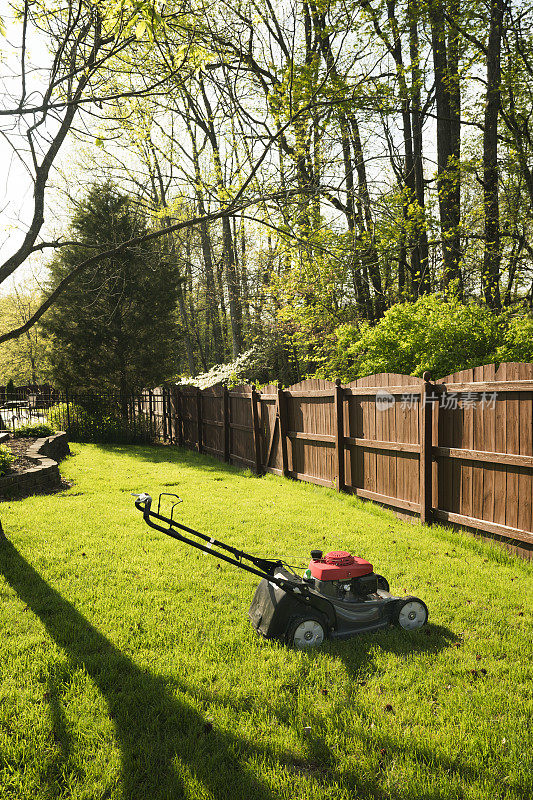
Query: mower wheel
(305, 632)
(411, 613)
(383, 583)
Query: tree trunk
(186, 327)
(232, 279)
(492, 253)
(448, 101)
(213, 316)
(369, 256)
(424, 282)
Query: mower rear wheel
(383, 583)
(411, 613)
(306, 632)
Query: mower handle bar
(262, 566)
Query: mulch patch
(19, 447)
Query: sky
(16, 184)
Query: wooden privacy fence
(459, 450)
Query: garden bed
(36, 466)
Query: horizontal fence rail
(459, 450)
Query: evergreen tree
(113, 328)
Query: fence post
(150, 412)
(339, 434)
(170, 426)
(427, 397)
(256, 430)
(282, 414)
(199, 419)
(170, 430)
(177, 418)
(131, 415)
(68, 410)
(225, 421)
(164, 413)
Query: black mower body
(274, 609)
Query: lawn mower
(338, 596)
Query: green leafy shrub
(105, 426)
(33, 431)
(6, 459)
(432, 333)
(518, 341)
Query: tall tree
(113, 327)
(445, 40)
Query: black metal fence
(90, 416)
(24, 405)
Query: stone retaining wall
(55, 447)
(44, 476)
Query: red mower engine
(343, 576)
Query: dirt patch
(19, 447)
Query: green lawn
(129, 669)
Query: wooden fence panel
(241, 426)
(271, 460)
(487, 411)
(382, 439)
(189, 416)
(213, 421)
(155, 410)
(311, 429)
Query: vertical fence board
(500, 472)
(282, 425)
(489, 443)
(525, 478)
(478, 469)
(445, 467)
(256, 430)
(425, 471)
(339, 436)
(513, 446)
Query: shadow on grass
(386, 745)
(166, 744)
(172, 454)
(159, 736)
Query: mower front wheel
(305, 632)
(411, 613)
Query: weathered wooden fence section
(459, 450)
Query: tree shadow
(54, 773)
(357, 656)
(161, 738)
(165, 743)
(173, 454)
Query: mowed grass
(129, 668)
